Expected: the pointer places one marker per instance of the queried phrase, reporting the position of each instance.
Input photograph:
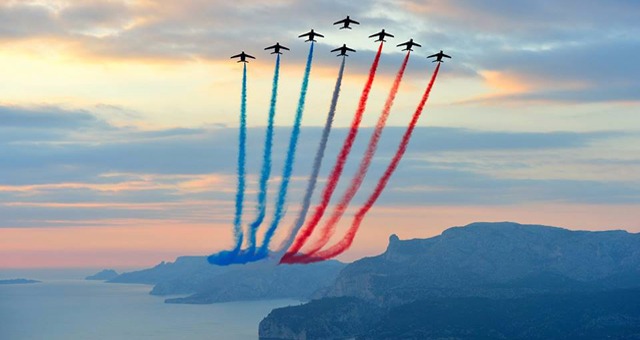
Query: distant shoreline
(18, 281)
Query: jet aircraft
(276, 48)
(311, 35)
(243, 57)
(409, 44)
(346, 22)
(381, 35)
(343, 50)
(438, 56)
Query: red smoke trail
(332, 181)
(345, 243)
(330, 226)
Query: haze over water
(78, 309)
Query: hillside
(208, 283)
(494, 260)
(184, 266)
(499, 273)
(103, 275)
(595, 315)
(259, 281)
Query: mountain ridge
(484, 254)
(489, 266)
(204, 283)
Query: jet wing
(433, 55)
(320, 35)
(337, 49)
(389, 35)
(375, 35)
(304, 35)
(340, 22)
(284, 48)
(403, 44)
(354, 22)
(350, 49)
(271, 47)
(236, 56)
(414, 44)
(446, 56)
(248, 56)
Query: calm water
(78, 309)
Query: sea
(78, 309)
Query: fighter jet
(243, 57)
(343, 50)
(409, 44)
(381, 35)
(311, 35)
(276, 48)
(438, 56)
(345, 22)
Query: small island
(18, 281)
(104, 275)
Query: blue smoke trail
(317, 162)
(261, 206)
(224, 258)
(288, 165)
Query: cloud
(570, 45)
(461, 186)
(588, 72)
(567, 52)
(89, 17)
(110, 149)
(26, 20)
(128, 173)
(33, 125)
(539, 20)
(47, 117)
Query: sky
(118, 120)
